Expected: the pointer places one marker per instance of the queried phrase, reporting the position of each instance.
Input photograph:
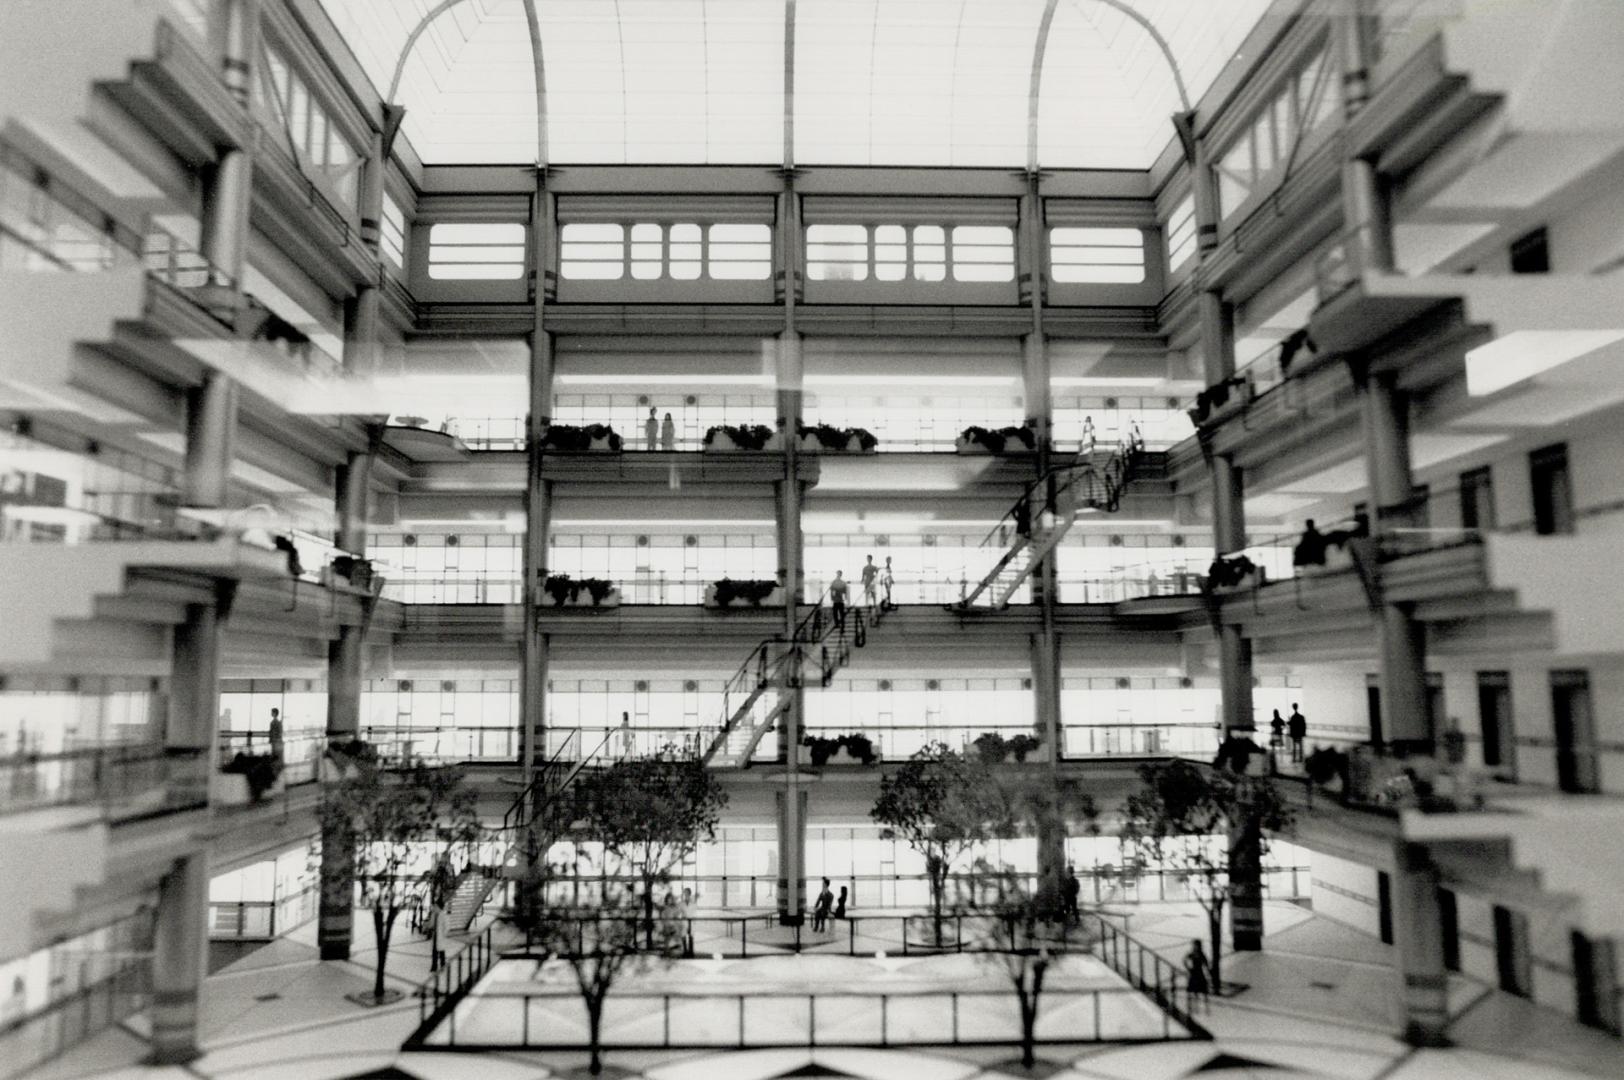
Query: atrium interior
(507, 507)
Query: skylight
(876, 82)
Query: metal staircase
(752, 702)
(1044, 513)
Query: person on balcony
(1297, 728)
(651, 430)
(820, 909)
(840, 904)
(1087, 447)
(276, 734)
(668, 433)
(1277, 734)
(871, 574)
(1310, 549)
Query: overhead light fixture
(655, 379)
(910, 380)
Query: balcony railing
(125, 781)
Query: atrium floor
(1321, 1003)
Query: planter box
(969, 446)
(583, 599)
(839, 757)
(772, 599)
(229, 789)
(854, 445)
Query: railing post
(955, 1018)
(885, 1028)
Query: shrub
(744, 436)
(571, 439)
(261, 770)
(1004, 440)
(833, 438)
(753, 591)
(991, 747)
(1021, 745)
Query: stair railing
(1076, 484)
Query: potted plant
(593, 438)
(991, 747)
(752, 592)
(829, 439)
(1008, 440)
(728, 438)
(1022, 745)
(260, 773)
(564, 591)
(344, 756)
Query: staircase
(752, 703)
(1045, 512)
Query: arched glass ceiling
(876, 82)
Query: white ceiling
(876, 82)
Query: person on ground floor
(820, 908)
(1198, 971)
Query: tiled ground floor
(1321, 1001)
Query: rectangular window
(488, 251)
(1306, 100)
(1552, 490)
(648, 251)
(1477, 499)
(929, 253)
(1449, 917)
(1097, 256)
(837, 252)
(1531, 253)
(1595, 982)
(1511, 951)
(983, 253)
(684, 258)
(596, 252)
(1181, 233)
(740, 252)
(392, 233)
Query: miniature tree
(650, 814)
(941, 804)
(383, 819)
(1023, 922)
(598, 941)
(1210, 828)
(1023, 927)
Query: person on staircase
(888, 581)
(870, 579)
(837, 598)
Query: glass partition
(1160, 421)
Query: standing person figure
(871, 574)
(837, 598)
(439, 930)
(1199, 972)
(276, 734)
(888, 581)
(820, 908)
(651, 430)
(1074, 889)
(668, 433)
(1277, 732)
(1297, 728)
(626, 742)
(1088, 436)
(840, 904)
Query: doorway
(1574, 726)
(1511, 951)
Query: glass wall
(246, 706)
(1099, 568)
(449, 568)
(443, 719)
(46, 715)
(691, 414)
(922, 422)
(59, 996)
(266, 899)
(738, 869)
(1106, 716)
(902, 715)
(1160, 421)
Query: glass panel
(685, 251)
(983, 253)
(837, 252)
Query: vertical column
(179, 933)
(182, 917)
(211, 441)
(538, 491)
(1402, 640)
(538, 521)
(1246, 886)
(1366, 198)
(792, 799)
(1234, 650)
(1418, 929)
(363, 311)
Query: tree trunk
(937, 869)
(382, 926)
(594, 1020)
(648, 912)
(1029, 1024)
(1215, 924)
